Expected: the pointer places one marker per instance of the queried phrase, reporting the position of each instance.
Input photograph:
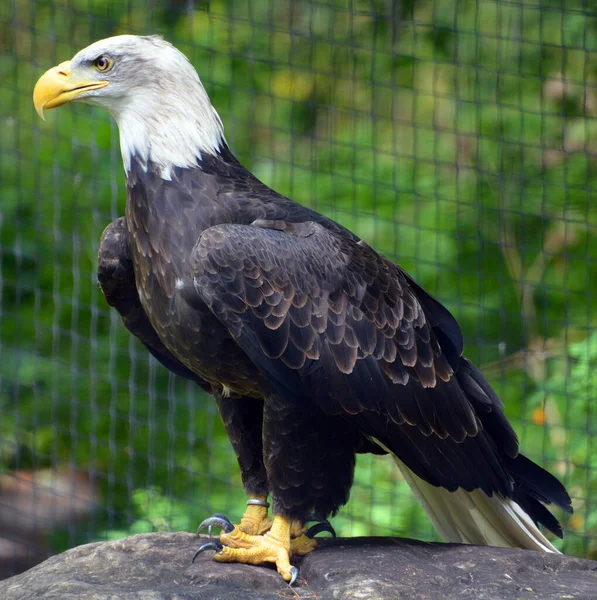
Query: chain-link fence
(459, 138)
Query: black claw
(294, 572)
(320, 528)
(208, 546)
(217, 520)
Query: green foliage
(156, 513)
(568, 390)
(458, 138)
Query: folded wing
(330, 321)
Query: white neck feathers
(169, 130)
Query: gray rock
(392, 568)
(158, 566)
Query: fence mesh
(459, 138)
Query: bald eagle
(314, 346)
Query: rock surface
(158, 566)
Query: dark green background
(459, 138)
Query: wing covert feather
(330, 319)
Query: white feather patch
(473, 517)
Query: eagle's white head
(163, 112)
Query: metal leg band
(257, 502)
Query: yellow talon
(297, 528)
(258, 539)
(302, 545)
(273, 547)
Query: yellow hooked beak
(55, 87)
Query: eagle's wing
(327, 318)
(116, 277)
(330, 321)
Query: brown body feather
(327, 347)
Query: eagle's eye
(103, 63)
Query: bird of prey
(314, 346)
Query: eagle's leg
(256, 520)
(297, 440)
(243, 420)
(301, 447)
(309, 458)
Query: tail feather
(534, 481)
(475, 518)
